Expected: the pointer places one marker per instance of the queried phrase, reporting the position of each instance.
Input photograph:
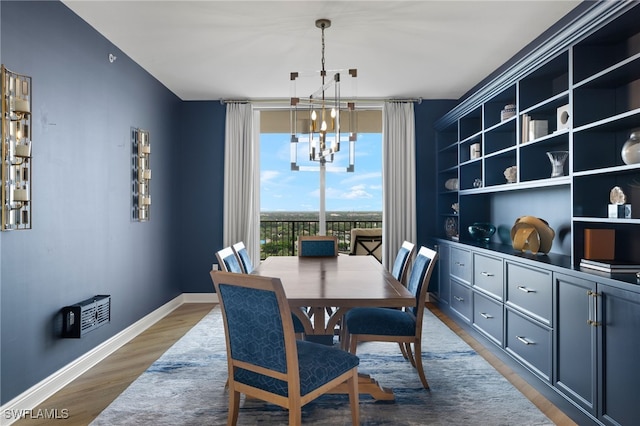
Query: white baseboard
(38, 393)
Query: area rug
(185, 386)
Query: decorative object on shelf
(511, 174)
(533, 234)
(557, 159)
(16, 150)
(475, 151)
(618, 209)
(451, 227)
(326, 118)
(481, 231)
(452, 184)
(563, 119)
(141, 175)
(599, 244)
(631, 149)
(456, 208)
(507, 112)
(538, 129)
(477, 183)
(524, 136)
(610, 266)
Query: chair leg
(234, 407)
(403, 350)
(353, 343)
(353, 398)
(411, 357)
(418, 358)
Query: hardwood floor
(92, 392)
(84, 398)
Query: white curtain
(241, 180)
(398, 178)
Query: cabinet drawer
(461, 300)
(530, 343)
(487, 317)
(488, 275)
(530, 290)
(461, 264)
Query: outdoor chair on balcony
(264, 359)
(317, 246)
(403, 326)
(367, 241)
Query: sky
(284, 190)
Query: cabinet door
(575, 341)
(488, 275)
(619, 370)
(461, 300)
(444, 277)
(461, 264)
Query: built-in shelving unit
(574, 329)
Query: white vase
(631, 149)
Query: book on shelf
(613, 266)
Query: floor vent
(86, 316)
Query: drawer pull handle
(525, 341)
(459, 299)
(526, 290)
(487, 274)
(459, 264)
(485, 316)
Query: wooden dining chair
(243, 256)
(264, 359)
(396, 325)
(402, 260)
(317, 246)
(228, 260)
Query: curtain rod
(286, 100)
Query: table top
(341, 281)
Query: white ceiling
(207, 49)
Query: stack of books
(611, 266)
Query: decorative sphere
(631, 149)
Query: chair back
(401, 263)
(258, 329)
(418, 283)
(317, 246)
(243, 255)
(367, 241)
(228, 261)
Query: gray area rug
(185, 386)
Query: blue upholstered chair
(228, 261)
(231, 261)
(399, 270)
(317, 246)
(265, 361)
(243, 255)
(394, 325)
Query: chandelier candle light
(323, 119)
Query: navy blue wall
(198, 218)
(83, 241)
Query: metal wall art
(141, 175)
(16, 150)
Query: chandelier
(323, 119)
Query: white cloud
(267, 176)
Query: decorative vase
(557, 159)
(631, 149)
(482, 232)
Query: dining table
(320, 290)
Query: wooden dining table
(320, 290)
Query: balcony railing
(278, 237)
